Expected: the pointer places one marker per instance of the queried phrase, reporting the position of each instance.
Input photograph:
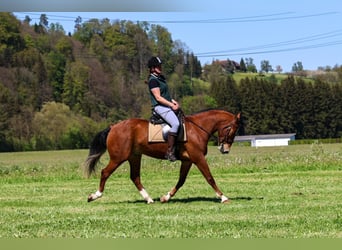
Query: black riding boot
(171, 141)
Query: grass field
(266, 76)
(278, 192)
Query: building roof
(264, 137)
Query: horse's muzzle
(224, 148)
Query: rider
(163, 104)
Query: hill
(57, 90)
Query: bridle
(226, 138)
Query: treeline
(309, 109)
(98, 73)
(58, 90)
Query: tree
(42, 88)
(6, 102)
(27, 19)
(142, 47)
(119, 39)
(163, 45)
(56, 69)
(43, 25)
(76, 82)
(265, 66)
(56, 28)
(87, 30)
(10, 38)
(279, 69)
(64, 47)
(43, 21)
(250, 65)
(225, 92)
(21, 132)
(78, 23)
(243, 67)
(57, 127)
(258, 106)
(297, 67)
(323, 105)
(182, 56)
(335, 111)
(192, 104)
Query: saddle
(158, 128)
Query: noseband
(227, 138)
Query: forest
(57, 90)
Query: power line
(312, 38)
(258, 18)
(313, 46)
(263, 18)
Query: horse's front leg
(204, 168)
(183, 173)
(135, 165)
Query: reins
(200, 127)
(210, 135)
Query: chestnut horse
(128, 141)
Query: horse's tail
(97, 148)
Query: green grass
(278, 192)
(279, 77)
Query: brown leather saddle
(158, 128)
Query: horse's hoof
(95, 196)
(90, 198)
(150, 201)
(164, 199)
(225, 202)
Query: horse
(128, 141)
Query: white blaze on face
(225, 147)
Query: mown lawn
(279, 192)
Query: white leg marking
(146, 197)
(98, 194)
(223, 198)
(168, 196)
(165, 198)
(95, 196)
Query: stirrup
(171, 157)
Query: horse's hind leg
(135, 166)
(105, 173)
(183, 173)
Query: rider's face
(158, 69)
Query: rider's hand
(175, 105)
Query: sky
(282, 33)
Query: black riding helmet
(154, 62)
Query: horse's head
(226, 134)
